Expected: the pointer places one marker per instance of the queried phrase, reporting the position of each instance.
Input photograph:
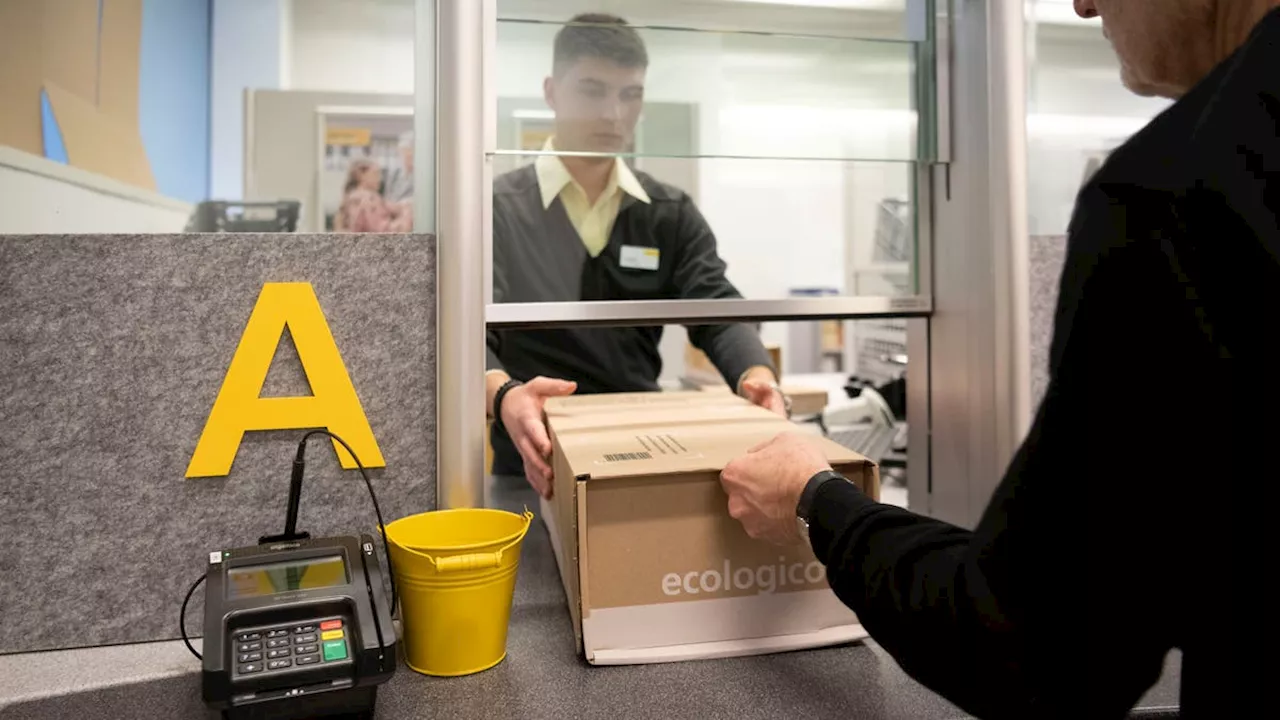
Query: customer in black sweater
(1137, 517)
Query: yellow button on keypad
(331, 635)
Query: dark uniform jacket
(538, 256)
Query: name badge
(636, 257)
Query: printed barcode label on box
(621, 457)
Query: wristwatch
(804, 509)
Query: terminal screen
(308, 574)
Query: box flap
(720, 627)
(698, 444)
(98, 142)
(638, 401)
(729, 648)
(561, 517)
(642, 417)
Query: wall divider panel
(113, 349)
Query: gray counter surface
(542, 676)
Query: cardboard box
(85, 58)
(654, 568)
(805, 400)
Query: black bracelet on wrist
(507, 387)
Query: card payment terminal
(296, 629)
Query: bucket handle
(476, 561)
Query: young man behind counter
(579, 228)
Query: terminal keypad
(275, 649)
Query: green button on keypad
(335, 650)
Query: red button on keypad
(330, 624)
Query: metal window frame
(979, 398)
(962, 329)
(462, 189)
(424, 123)
(668, 312)
(671, 311)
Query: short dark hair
(599, 35)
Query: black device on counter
(235, 216)
(296, 627)
(303, 622)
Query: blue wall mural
(173, 95)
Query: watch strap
(804, 509)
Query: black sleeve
(700, 274)
(1058, 604)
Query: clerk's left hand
(764, 486)
(760, 389)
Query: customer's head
(596, 86)
(1167, 46)
(364, 174)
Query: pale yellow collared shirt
(594, 223)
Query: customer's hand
(522, 417)
(764, 486)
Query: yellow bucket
(455, 574)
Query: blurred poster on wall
(366, 170)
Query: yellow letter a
(238, 408)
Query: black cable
(386, 546)
(182, 618)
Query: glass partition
(782, 228)
(109, 113)
(731, 94)
(793, 131)
(847, 380)
(210, 115)
(690, 163)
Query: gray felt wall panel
(112, 349)
(1047, 254)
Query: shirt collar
(553, 176)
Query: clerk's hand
(764, 486)
(523, 419)
(765, 394)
